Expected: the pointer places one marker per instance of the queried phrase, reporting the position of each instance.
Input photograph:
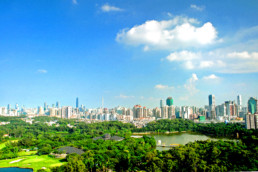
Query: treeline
(141, 155)
(165, 125)
(233, 130)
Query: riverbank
(154, 132)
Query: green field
(32, 161)
(2, 145)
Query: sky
(128, 52)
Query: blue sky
(129, 52)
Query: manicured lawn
(2, 145)
(32, 161)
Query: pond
(15, 169)
(180, 138)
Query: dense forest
(132, 154)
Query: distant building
(77, 102)
(239, 102)
(252, 105)
(66, 112)
(45, 106)
(212, 112)
(57, 104)
(169, 101)
(251, 121)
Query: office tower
(171, 112)
(40, 110)
(8, 107)
(251, 121)
(45, 106)
(212, 113)
(57, 104)
(239, 102)
(161, 103)
(137, 111)
(252, 105)
(169, 101)
(17, 106)
(77, 102)
(66, 112)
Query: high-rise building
(161, 103)
(66, 112)
(239, 102)
(137, 111)
(169, 101)
(45, 106)
(57, 104)
(17, 106)
(8, 107)
(212, 112)
(252, 105)
(77, 102)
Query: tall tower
(252, 105)
(161, 103)
(239, 102)
(57, 104)
(77, 102)
(45, 106)
(212, 113)
(169, 101)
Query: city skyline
(160, 103)
(127, 52)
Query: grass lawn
(32, 161)
(2, 145)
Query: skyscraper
(169, 101)
(212, 113)
(45, 106)
(77, 102)
(57, 104)
(161, 103)
(239, 102)
(252, 105)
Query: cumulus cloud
(109, 8)
(179, 32)
(163, 87)
(190, 85)
(243, 55)
(210, 77)
(196, 7)
(122, 96)
(182, 56)
(42, 71)
(206, 64)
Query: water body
(15, 169)
(180, 138)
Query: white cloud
(122, 96)
(190, 85)
(42, 71)
(179, 32)
(198, 8)
(243, 55)
(182, 56)
(109, 8)
(206, 64)
(75, 2)
(210, 77)
(163, 87)
(189, 65)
